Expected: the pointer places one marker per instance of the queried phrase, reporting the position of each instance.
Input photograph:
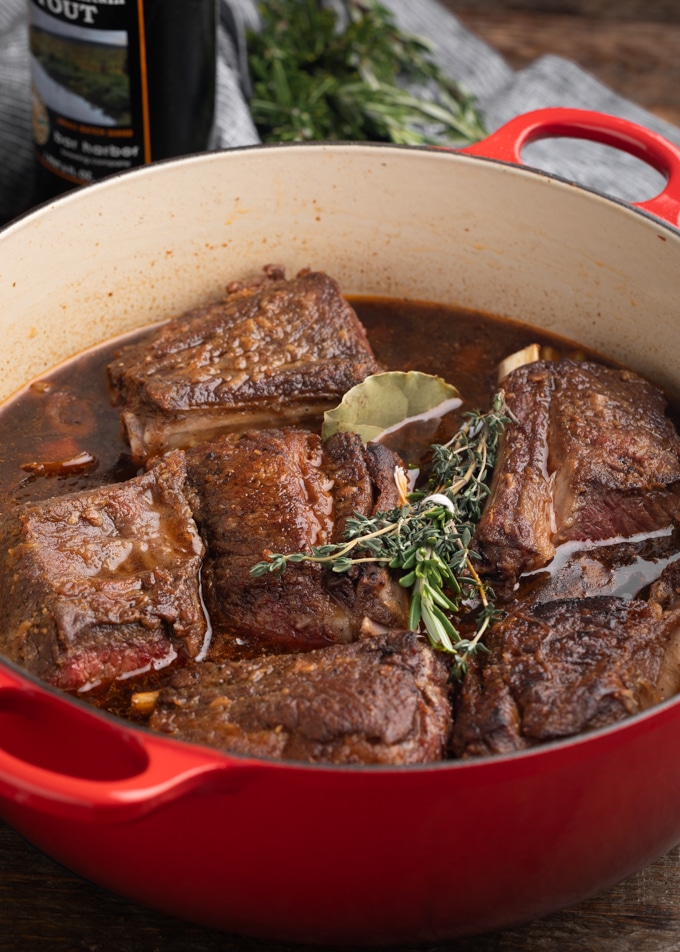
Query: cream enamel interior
(401, 222)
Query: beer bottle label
(89, 86)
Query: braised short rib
(273, 352)
(382, 700)
(103, 584)
(282, 491)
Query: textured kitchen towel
(501, 92)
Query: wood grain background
(631, 46)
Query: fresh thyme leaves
(428, 538)
(313, 79)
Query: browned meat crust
(558, 669)
(100, 584)
(272, 352)
(591, 456)
(665, 595)
(282, 491)
(383, 700)
(515, 531)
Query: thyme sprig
(428, 538)
(314, 78)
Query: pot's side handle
(70, 762)
(506, 144)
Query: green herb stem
(427, 541)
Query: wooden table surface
(633, 46)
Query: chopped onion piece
(143, 702)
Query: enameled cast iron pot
(320, 854)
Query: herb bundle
(313, 79)
(427, 539)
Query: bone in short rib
(272, 352)
(590, 455)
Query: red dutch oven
(360, 855)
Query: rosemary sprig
(427, 539)
(313, 79)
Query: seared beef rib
(282, 491)
(272, 352)
(102, 584)
(382, 700)
(588, 455)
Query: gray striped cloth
(501, 93)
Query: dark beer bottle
(118, 83)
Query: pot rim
(544, 750)
(200, 158)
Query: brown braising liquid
(66, 417)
